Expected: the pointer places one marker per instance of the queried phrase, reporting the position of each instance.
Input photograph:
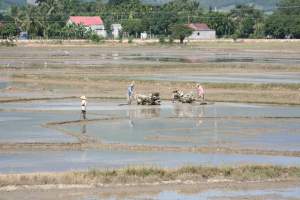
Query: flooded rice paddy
(285, 193)
(216, 58)
(97, 58)
(60, 161)
(218, 125)
(27, 127)
(228, 78)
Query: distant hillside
(267, 5)
(7, 3)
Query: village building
(94, 23)
(201, 31)
(23, 35)
(144, 35)
(116, 30)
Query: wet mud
(207, 191)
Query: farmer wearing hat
(130, 92)
(83, 106)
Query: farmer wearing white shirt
(83, 106)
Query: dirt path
(147, 191)
(16, 147)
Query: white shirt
(83, 105)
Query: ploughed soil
(105, 71)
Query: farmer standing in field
(83, 107)
(130, 92)
(200, 92)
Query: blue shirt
(130, 90)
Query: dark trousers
(83, 114)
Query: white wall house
(144, 35)
(116, 30)
(201, 32)
(94, 23)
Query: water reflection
(181, 110)
(274, 193)
(190, 111)
(131, 117)
(83, 129)
(149, 113)
(134, 114)
(199, 110)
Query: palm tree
(27, 19)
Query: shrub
(171, 40)
(130, 40)
(95, 38)
(162, 39)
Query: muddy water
(219, 125)
(285, 193)
(3, 84)
(229, 78)
(204, 191)
(214, 125)
(251, 134)
(58, 161)
(74, 58)
(27, 127)
(217, 58)
(98, 56)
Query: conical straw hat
(83, 97)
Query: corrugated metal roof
(86, 20)
(199, 26)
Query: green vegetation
(180, 31)
(130, 40)
(96, 38)
(8, 30)
(285, 22)
(267, 5)
(150, 175)
(48, 18)
(162, 39)
(208, 4)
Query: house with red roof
(201, 31)
(95, 23)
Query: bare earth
(69, 192)
(104, 71)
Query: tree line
(47, 19)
